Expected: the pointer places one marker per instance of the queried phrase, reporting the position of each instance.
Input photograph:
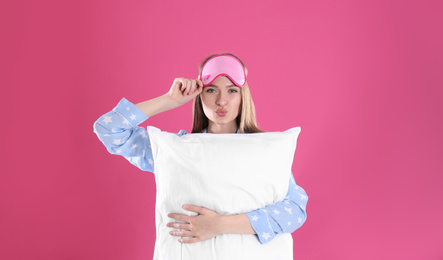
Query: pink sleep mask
(223, 65)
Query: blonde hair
(246, 119)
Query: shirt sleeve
(281, 217)
(119, 132)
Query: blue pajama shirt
(118, 130)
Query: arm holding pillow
(281, 217)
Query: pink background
(362, 78)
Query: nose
(221, 99)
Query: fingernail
(185, 206)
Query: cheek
(205, 98)
(238, 102)
(205, 103)
(205, 107)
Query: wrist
(224, 224)
(235, 224)
(170, 101)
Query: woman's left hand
(206, 225)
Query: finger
(199, 210)
(181, 233)
(200, 83)
(200, 86)
(197, 91)
(180, 84)
(193, 86)
(188, 87)
(184, 226)
(181, 217)
(188, 240)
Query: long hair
(246, 120)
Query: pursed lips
(221, 112)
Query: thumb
(197, 91)
(199, 82)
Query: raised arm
(118, 129)
(119, 132)
(182, 91)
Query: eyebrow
(233, 85)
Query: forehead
(222, 81)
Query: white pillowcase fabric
(228, 173)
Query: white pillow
(228, 173)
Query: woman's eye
(210, 90)
(233, 91)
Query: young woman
(222, 104)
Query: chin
(220, 121)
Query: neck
(222, 129)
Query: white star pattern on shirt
(150, 161)
(287, 202)
(143, 153)
(107, 119)
(289, 223)
(255, 218)
(119, 151)
(299, 219)
(302, 196)
(134, 146)
(133, 117)
(296, 187)
(302, 207)
(276, 212)
(289, 210)
(266, 235)
(126, 122)
(265, 210)
(144, 135)
(117, 141)
(128, 108)
(136, 160)
(105, 135)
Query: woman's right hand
(183, 90)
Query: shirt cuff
(129, 111)
(260, 223)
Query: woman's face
(221, 102)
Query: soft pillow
(228, 173)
